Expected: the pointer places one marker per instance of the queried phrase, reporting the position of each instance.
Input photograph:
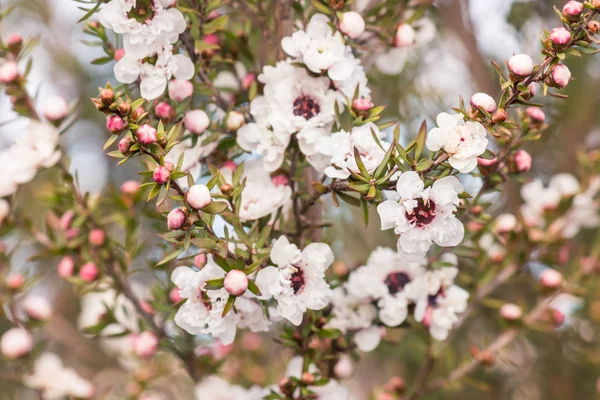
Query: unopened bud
(536, 114)
(125, 145)
(395, 385)
(572, 10)
(130, 187)
(226, 188)
(405, 36)
(560, 76)
(96, 237)
(88, 272)
(164, 111)
(510, 312)
(200, 260)
(343, 368)
(161, 175)
(176, 219)
(124, 109)
(14, 42)
(483, 101)
(235, 120)
(499, 116)
(236, 282)
(146, 134)
(15, 343)
(119, 53)
(14, 281)
(352, 24)
(551, 278)
(198, 196)
(114, 124)
(107, 96)
(9, 71)
(560, 36)
(180, 89)
(286, 386)
(196, 121)
(522, 161)
(65, 267)
(145, 344)
(56, 108)
(594, 26)
(37, 307)
(248, 81)
(520, 66)
(174, 295)
(308, 378)
(362, 104)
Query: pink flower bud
(15, 343)
(65, 220)
(510, 312)
(523, 161)
(163, 110)
(146, 134)
(236, 282)
(145, 344)
(230, 165)
(130, 187)
(532, 89)
(119, 53)
(88, 272)
(520, 65)
(56, 108)
(343, 368)
(561, 75)
(14, 39)
(65, 267)
(198, 196)
(15, 281)
(161, 175)
(196, 121)
(560, 36)
(114, 124)
(96, 237)
(72, 233)
(200, 260)
(352, 24)
(487, 162)
(572, 8)
(536, 114)
(483, 101)
(505, 223)
(174, 295)
(147, 307)
(125, 145)
(180, 89)
(37, 307)
(235, 120)
(362, 104)
(280, 180)
(405, 36)
(558, 318)
(9, 71)
(248, 81)
(551, 278)
(176, 219)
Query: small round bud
(561, 75)
(510, 312)
(125, 145)
(15, 343)
(235, 120)
(352, 24)
(200, 260)
(483, 101)
(124, 109)
(405, 36)
(169, 166)
(343, 368)
(130, 187)
(37, 307)
(596, 3)
(362, 104)
(505, 223)
(9, 71)
(308, 378)
(96, 237)
(180, 89)
(14, 281)
(211, 38)
(536, 114)
(161, 175)
(286, 386)
(198, 196)
(114, 124)
(175, 296)
(593, 26)
(146, 134)
(119, 53)
(560, 36)
(14, 42)
(551, 278)
(107, 96)
(236, 282)
(280, 180)
(137, 113)
(520, 66)
(499, 116)
(248, 81)
(557, 316)
(88, 272)
(145, 344)
(176, 219)
(56, 108)
(522, 161)
(65, 267)
(226, 188)
(164, 111)
(196, 121)
(229, 165)
(572, 10)
(395, 385)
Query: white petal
(368, 339)
(283, 252)
(341, 70)
(333, 172)
(436, 138)
(389, 211)
(153, 86)
(182, 67)
(127, 70)
(264, 280)
(449, 121)
(452, 235)
(409, 185)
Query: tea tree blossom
(423, 216)
(462, 141)
(55, 381)
(297, 282)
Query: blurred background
(452, 58)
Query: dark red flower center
(422, 214)
(297, 280)
(306, 106)
(396, 281)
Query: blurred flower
(54, 381)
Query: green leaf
(216, 24)
(102, 60)
(222, 262)
(215, 207)
(321, 7)
(215, 284)
(364, 205)
(253, 267)
(421, 139)
(359, 163)
(228, 305)
(353, 201)
(380, 171)
(204, 243)
(154, 191)
(90, 12)
(110, 141)
(253, 288)
(423, 165)
(170, 257)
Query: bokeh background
(453, 59)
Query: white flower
(387, 278)
(440, 301)
(347, 87)
(54, 381)
(154, 77)
(320, 48)
(261, 197)
(462, 141)
(298, 282)
(33, 150)
(423, 216)
(216, 388)
(142, 24)
(340, 148)
(202, 310)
